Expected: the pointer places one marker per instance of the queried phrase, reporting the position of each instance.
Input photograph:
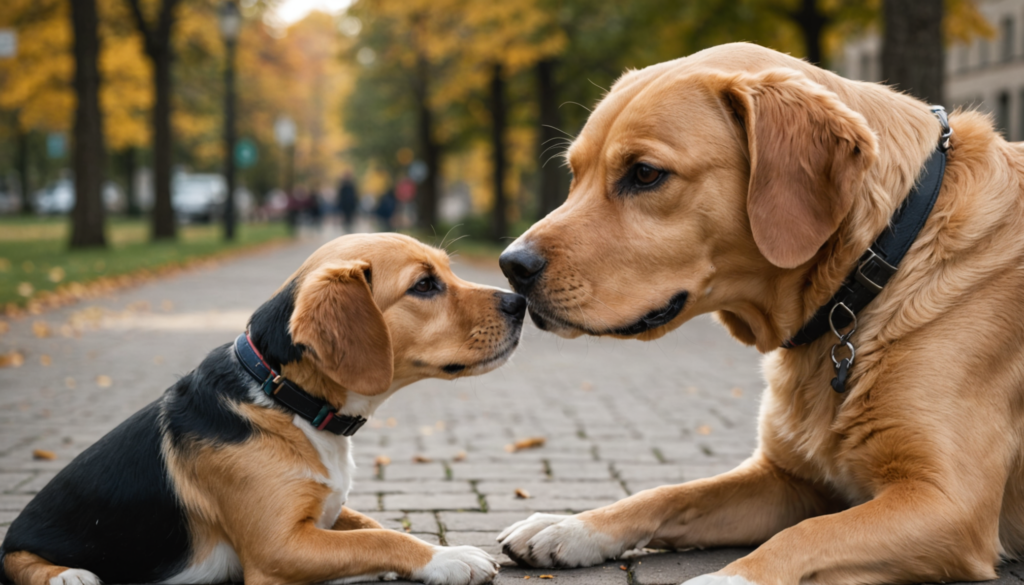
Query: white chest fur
(335, 453)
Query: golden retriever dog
(745, 183)
(242, 468)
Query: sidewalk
(617, 416)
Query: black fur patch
(111, 511)
(198, 408)
(268, 328)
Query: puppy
(745, 183)
(242, 468)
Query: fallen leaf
(26, 289)
(737, 392)
(14, 359)
(531, 443)
(41, 329)
(547, 576)
(104, 381)
(522, 494)
(382, 460)
(460, 456)
(56, 274)
(422, 459)
(704, 430)
(623, 567)
(44, 455)
(45, 360)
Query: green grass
(34, 254)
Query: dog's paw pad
(76, 577)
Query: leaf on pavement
(44, 455)
(531, 443)
(104, 381)
(13, 359)
(522, 494)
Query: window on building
(1007, 38)
(963, 57)
(1020, 116)
(1003, 113)
(865, 67)
(983, 53)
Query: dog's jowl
(241, 470)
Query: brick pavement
(618, 417)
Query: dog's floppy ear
(809, 154)
(335, 317)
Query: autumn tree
(157, 44)
(87, 228)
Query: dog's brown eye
(424, 286)
(645, 175)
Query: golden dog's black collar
(319, 413)
(883, 257)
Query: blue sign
(56, 145)
(245, 153)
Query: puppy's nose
(522, 266)
(512, 305)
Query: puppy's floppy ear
(335, 316)
(809, 154)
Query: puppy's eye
(645, 176)
(426, 286)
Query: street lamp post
(230, 20)
(284, 133)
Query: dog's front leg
(311, 555)
(349, 519)
(911, 532)
(744, 506)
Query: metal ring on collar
(842, 338)
(853, 352)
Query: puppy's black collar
(319, 413)
(883, 257)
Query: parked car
(197, 197)
(59, 197)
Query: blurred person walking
(386, 210)
(348, 201)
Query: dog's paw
(550, 540)
(712, 579)
(458, 565)
(76, 577)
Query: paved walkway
(618, 417)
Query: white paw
(550, 540)
(76, 577)
(719, 580)
(458, 565)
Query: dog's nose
(522, 266)
(513, 305)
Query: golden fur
(780, 176)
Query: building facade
(987, 74)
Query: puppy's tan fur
(265, 496)
(781, 175)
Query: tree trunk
(427, 195)
(499, 225)
(812, 23)
(157, 42)
(913, 59)
(553, 183)
(229, 141)
(164, 224)
(88, 216)
(23, 179)
(130, 166)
